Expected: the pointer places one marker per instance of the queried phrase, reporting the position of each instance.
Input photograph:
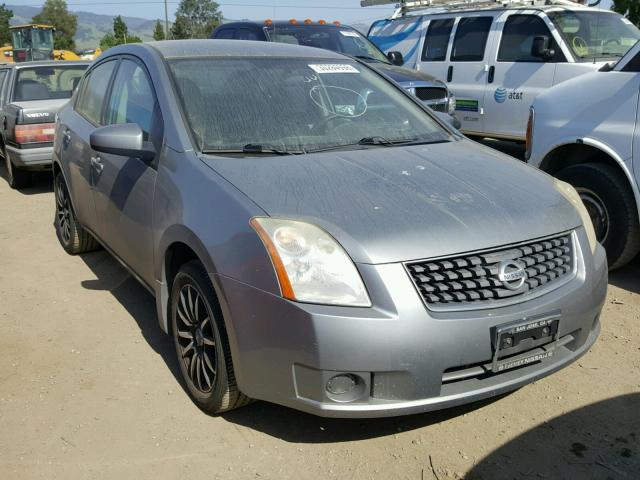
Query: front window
(330, 37)
(46, 83)
(293, 105)
(595, 35)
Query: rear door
(74, 127)
(515, 76)
(467, 71)
(124, 187)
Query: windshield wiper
(257, 148)
(377, 141)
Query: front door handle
(96, 163)
(492, 74)
(450, 73)
(66, 138)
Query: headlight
(572, 196)
(452, 104)
(311, 266)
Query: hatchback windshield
(45, 83)
(594, 35)
(330, 37)
(295, 105)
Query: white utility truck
(587, 133)
(497, 56)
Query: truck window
(633, 65)
(437, 40)
(517, 39)
(246, 34)
(226, 34)
(471, 39)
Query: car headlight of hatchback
(310, 264)
(573, 197)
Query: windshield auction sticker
(334, 68)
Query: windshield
(45, 83)
(36, 38)
(330, 37)
(294, 105)
(596, 35)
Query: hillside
(91, 27)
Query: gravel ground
(89, 388)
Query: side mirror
(540, 48)
(125, 139)
(396, 58)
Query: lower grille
(436, 98)
(488, 277)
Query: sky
(343, 10)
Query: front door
(516, 77)
(124, 187)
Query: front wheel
(612, 207)
(201, 342)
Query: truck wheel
(16, 177)
(201, 342)
(72, 236)
(611, 206)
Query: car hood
(405, 203)
(404, 75)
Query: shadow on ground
(628, 278)
(42, 182)
(599, 441)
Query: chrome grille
(474, 279)
(436, 98)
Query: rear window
(46, 82)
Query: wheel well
(177, 255)
(574, 154)
(56, 169)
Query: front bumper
(285, 352)
(31, 158)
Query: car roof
(47, 63)
(470, 9)
(233, 48)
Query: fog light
(341, 384)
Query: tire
(201, 342)
(612, 207)
(72, 236)
(16, 177)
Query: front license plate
(517, 344)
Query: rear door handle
(450, 73)
(492, 74)
(96, 163)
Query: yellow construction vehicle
(35, 42)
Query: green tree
(628, 8)
(5, 16)
(158, 31)
(196, 19)
(119, 36)
(54, 12)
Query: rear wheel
(201, 342)
(72, 236)
(16, 177)
(612, 207)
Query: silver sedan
(315, 237)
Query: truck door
(515, 75)
(467, 70)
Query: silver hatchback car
(315, 237)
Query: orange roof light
(268, 22)
(308, 21)
(293, 21)
(336, 22)
(322, 22)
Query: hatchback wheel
(72, 236)
(611, 205)
(201, 342)
(16, 177)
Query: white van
(497, 59)
(587, 132)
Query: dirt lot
(89, 389)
